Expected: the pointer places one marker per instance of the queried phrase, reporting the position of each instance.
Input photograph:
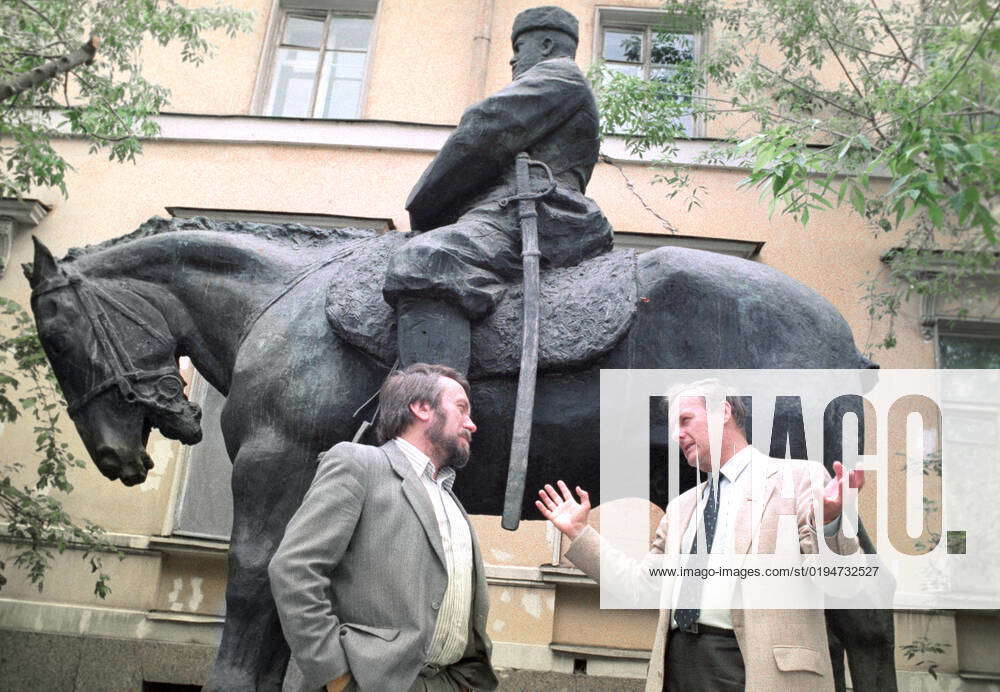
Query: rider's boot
(432, 331)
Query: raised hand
(565, 513)
(833, 493)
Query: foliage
(921, 647)
(36, 523)
(108, 102)
(823, 101)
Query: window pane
(205, 506)
(340, 85)
(663, 74)
(969, 352)
(624, 46)
(342, 99)
(349, 33)
(674, 84)
(672, 49)
(675, 81)
(293, 82)
(631, 70)
(304, 31)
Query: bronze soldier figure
(467, 243)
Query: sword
(521, 438)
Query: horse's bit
(156, 389)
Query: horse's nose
(134, 472)
(132, 476)
(108, 463)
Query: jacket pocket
(386, 633)
(789, 658)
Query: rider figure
(466, 244)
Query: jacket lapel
(764, 475)
(416, 495)
(686, 512)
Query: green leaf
(780, 179)
(842, 191)
(858, 200)
(935, 213)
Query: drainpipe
(481, 50)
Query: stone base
(58, 662)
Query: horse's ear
(43, 266)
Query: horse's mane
(289, 234)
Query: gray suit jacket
(360, 575)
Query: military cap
(545, 17)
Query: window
(643, 43)
(205, 505)
(320, 59)
(964, 348)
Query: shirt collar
(734, 467)
(423, 466)
(737, 464)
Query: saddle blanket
(584, 311)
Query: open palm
(563, 510)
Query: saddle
(584, 312)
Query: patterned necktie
(691, 586)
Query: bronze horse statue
(246, 303)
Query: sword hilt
(525, 195)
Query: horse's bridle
(156, 389)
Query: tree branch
(965, 61)
(892, 35)
(111, 109)
(60, 40)
(870, 118)
(32, 78)
(815, 94)
(865, 50)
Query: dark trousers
(703, 663)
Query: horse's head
(116, 362)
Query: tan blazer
(782, 649)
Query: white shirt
(451, 631)
(734, 477)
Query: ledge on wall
(932, 314)
(644, 242)
(380, 225)
(17, 215)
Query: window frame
(274, 42)
(648, 21)
(945, 327)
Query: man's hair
(713, 390)
(418, 384)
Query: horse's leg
(270, 477)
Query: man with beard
(378, 580)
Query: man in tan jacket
(712, 648)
